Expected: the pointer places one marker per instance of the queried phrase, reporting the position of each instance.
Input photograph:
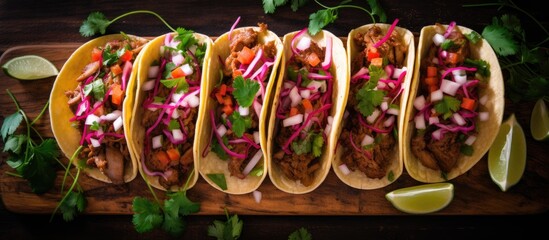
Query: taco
(88, 106)
(307, 110)
(456, 103)
(169, 87)
(232, 135)
(381, 57)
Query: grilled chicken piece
(89, 70)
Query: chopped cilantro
(369, 98)
(240, 123)
(217, 149)
(97, 88)
(181, 83)
(447, 106)
(218, 179)
(244, 91)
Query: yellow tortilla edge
(68, 137)
(339, 96)
(487, 129)
(210, 163)
(358, 179)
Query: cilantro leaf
(483, 67)
(14, 143)
(300, 234)
(296, 4)
(39, 168)
(500, 39)
(181, 83)
(447, 106)
(97, 88)
(318, 142)
(185, 205)
(147, 215)
(244, 91)
(377, 10)
(229, 230)
(74, 204)
(239, 123)
(320, 19)
(11, 123)
(217, 149)
(95, 23)
(218, 179)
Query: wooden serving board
(475, 193)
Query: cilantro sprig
(525, 62)
(228, 230)
(300, 234)
(169, 216)
(368, 97)
(321, 18)
(97, 22)
(33, 158)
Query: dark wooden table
(27, 22)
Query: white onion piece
(344, 169)
(438, 39)
(90, 119)
(381, 85)
(178, 59)
(483, 116)
(221, 130)
(373, 116)
(391, 85)
(328, 129)
(148, 85)
(293, 120)
(157, 142)
(398, 71)
(470, 140)
(295, 97)
(459, 119)
(389, 121)
(192, 100)
(244, 111)
(175, 113)
(449, 87)
(177, 134)
(176, 97)
(384, 106)
(393, 111)
(251, 164)
(257, 196)
(419, 121)
(437, 134)
(330, 119)
(419, 102)
(367, 140)
(437, 95)
(288, 85)
(256, 137)
(82, 108)
(95, 143)
(460, 79)
(153, 71)
(317, 86)
(433, 120)
(305, 93)
(483, 100)
(187, 69)
(459, 72)
(257, 108)
(117, 124)
(112, 116)
(303, 43)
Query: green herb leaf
(318, 143)
(39, 168)
(97, 88)
(483, 67)
(447, 106)
(110, 57)
(466, 150)
(244, 91)
(239, 123)
(217, 149)
(500, 39)
(218, 179)
(95, 126)
(377, 10)
(14, 143)
(74, 204)
(147, 215)
(95, 23)
(181, 83)
(11, 123)
(229, 230)
(300, 234)
(320, 19)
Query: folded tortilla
(209, 162)
(487, 130)
(358, 179)
(339, 96)
(68, 137)
(150, 54)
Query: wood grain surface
(475, 193)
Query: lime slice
(539, 121)
(29, 67)
(507, 155)
(421, 199)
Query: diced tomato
(173, 154)
(177, 73)
(313, 59)
(127, 56)
(468, 103)
(99, 111)
(223, 89)
(431, 71)
(372, 53)
(116, 94)
(96, 54)
(432, 88)
(377, 62)
(293, 111)
(307, 105)
(431, 81)
(116, 69)
(237, 73)
(227, 100)
(246, 55)
(452, 58)
(227, 109)
(163, 158)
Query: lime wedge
(421, 199)
(29, 67)
(539, 121)
(507, 155)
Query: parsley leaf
(320, 19)
(239, 123)
(147, 215)
(300, 234)
(244, 91)
(218, 179)
(75, 203)
(369, 98)
(229, 230)
(11, 123)
(447, 106)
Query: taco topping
(240, 96)
(303, 115)
(369, 135)
(448, 99)
(97, 106)
(171, 108)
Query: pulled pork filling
(240, 96)
(97, 105)
(369, 141)
(303, 112)
(444, 124)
